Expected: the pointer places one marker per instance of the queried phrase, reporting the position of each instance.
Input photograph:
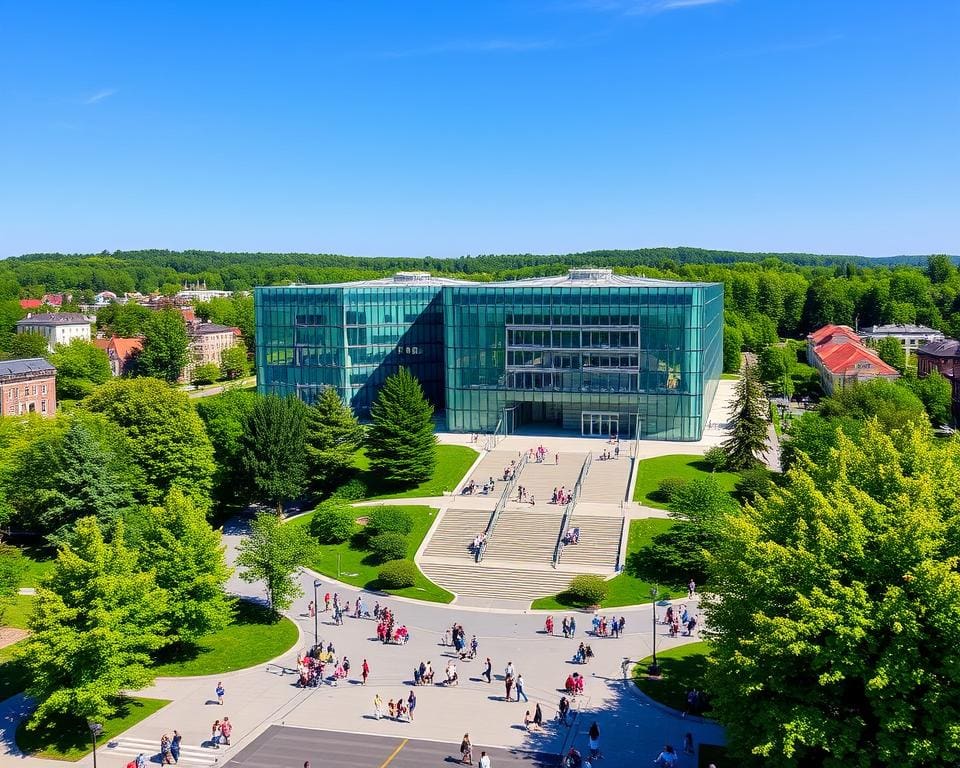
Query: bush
(388, 546)
(588, 589)
(716, 458)
(332, 524)
(753, 483)
(668, 487)
(352, 490)
(389, 520)
(397, 574)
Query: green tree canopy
(166, 436)
(732, 349)
(748, 420)
(234, 363)
(892, 403)
(272, 553)
(125, 320)
(21, 346)
(274, 454)
(837, 610)
(936, 394)
(225, 417)
(333, 438)
(401, 444)
(891, 352)
(205, 373)
(165, 344)
(80, 367)
(96, 621)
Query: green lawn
(40, 561)
(453, 461)
(625, 589)
(651, 471)
(683, 668)
(350, 563)
(252, 638)
(18, 611)
(729, 376)
(72, 741)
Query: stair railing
(501, 505)
(568, 509)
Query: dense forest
(767, 295)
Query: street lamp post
(316, 612)
(95, 730)
(654, 669)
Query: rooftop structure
(842, 359)
(911, 337)
(27, 386)
(942, 355)
(57, 327)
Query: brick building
(28, 386)
(837, 352)
(943, 356)
(207, 343)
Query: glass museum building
(589, 352)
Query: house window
(43, 406)
(34, 389)
(43, 389)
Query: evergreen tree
(178, 543)
(333, 437)
(748, 418)
(401, 444)
(273, 553)
(837, 608)
(96, 621)
(165, 345)
(274, 454)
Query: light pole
(316, 613)
(95, 730)
(654, 669)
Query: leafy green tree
(401, 444)
(167, 440)
(124, 320)
(814, 436)
(940, 268)
(21, 346)
(96, 621)
(892, 403)
(185, 552)
(273, 553)
(837, 607)
(165, 346)
(774, 366)
(13, 566)
(274, 454)
(225, 417)
(936, 394)
(891, 352)
(234, 363)
(206, 373)
(748, 418)
(732, 349)
(80, 368)
(333, 438)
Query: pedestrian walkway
(127, 749)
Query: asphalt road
(285, 747)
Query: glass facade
(590, 352)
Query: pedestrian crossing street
(125, 750)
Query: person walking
(377, 706)
(226, 728)
(538, 717)
(520, 691)
(220, 693)
(175, 746)
(411, 704)
(166, 757)
(691, 589)
(484, 760)
(573, 626)
(215, 734)
(364, 671)
(594, 735)
(466, 750)
(141, 761)
(508, 684)
(488, 670)
(667, 758)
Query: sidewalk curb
(641, 696)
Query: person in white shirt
(484, 760)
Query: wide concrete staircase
(539, 480)
(607, 481)
(454, 534)
(492, 582)
(525, 536)
(599, 544)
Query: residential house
(57, 327)
(944, 356)
(121, 351)
(837, 352)
(28, 386)
(30, 304)
(207, 343)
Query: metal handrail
(491, 439)
(501, 505)
(568, 509)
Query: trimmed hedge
(588, 589)
(397, 574)
(332, 524)
(388, 546)
(667, 487)
(389, 520)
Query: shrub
(588, 589)
(668, 487)
(753, 483)
(332, 524)
(716, 458)
(352, 490)
(389, 520)
(397, 574)
(388, 546)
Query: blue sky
(453, 127)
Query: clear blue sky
(376, 127)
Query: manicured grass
(625, 588)
(18, 611)
(453, 461)
(729, 376)
(683, 668)
(358, 567)
(651, 471)
(40, 561)
(252, 638)
(71, 741)
(13, 675)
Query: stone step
(490, 581)
(524, 536)
(607, 481)
(455, 532)
(599, 542)
(127, 749)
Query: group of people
(473, 487)
(606, 455)
(457, 637)
(170, 747)
(681, 619)
(561, 496)
(466, 754)
(539, 453)
(612, 628)
(583, 655)
(396, 710)
(310, 667)
(523, 496)
(423, 674)
(574, 684)
(478, 541)
(387, 629)
(510, 472)
(572, 536)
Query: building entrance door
(599, 424)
